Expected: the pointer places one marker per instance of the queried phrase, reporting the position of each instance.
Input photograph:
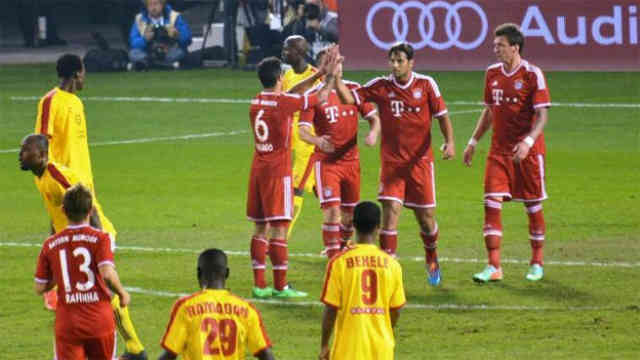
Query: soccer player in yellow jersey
(213, 323)
(53, 180)
(363, 294)
(293, 53)
(61, 118)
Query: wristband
(473, 142)
(529, 141)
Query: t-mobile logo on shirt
(332, 114)
(497, 96)
(397, 107)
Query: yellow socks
(125, 327)
(297, 209)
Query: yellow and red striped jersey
(214, 324)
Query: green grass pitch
(184, 195)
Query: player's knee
(260, 229)
(332, 214)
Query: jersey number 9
(369, 284)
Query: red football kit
(84, 325)
(270, 195)
(406, 110)
(338, 173)
(512, 99)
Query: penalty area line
(401, 258)
(465, 307)
(247, 101)
(153, 139)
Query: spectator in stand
(159, 36)
(321, 26)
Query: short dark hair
(269, 70)
(311, 11)
(77, 202)
(402, 47)
(39, 140)
(68, 65)
(366, 217)
(513, 34)
(212, 264)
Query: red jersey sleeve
(370, 92)
(541, 96)
(104, 255)
(436, 102)
(306, 117)
(291, 103)
(367, 109)
(43, 270)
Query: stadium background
(171, 152)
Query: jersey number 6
(260, 127)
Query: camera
(161, 42)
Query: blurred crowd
(269, 22)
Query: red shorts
(100, 348)
(338, 183)
(270, 198)
(518, 182)
(412, 185)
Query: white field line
(160, 293)
(246, 101)
(403, 258)
(192, 136)
(153, 139)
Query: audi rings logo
(452, 24)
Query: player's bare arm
(521, 150)
(449, 146)
(484, 124)
(394, 314)
(110, 276)
(328, 321)
(374, 130)
(41, 288)
(322, 142)
(308, 83)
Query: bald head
(294, 50)
(38, 140)
(34, 151)
(212, 268)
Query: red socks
(389, 241)
(258, 260)
(492, 230)
(279, 255)
(430, 245)
(331, 239)
(537, 229)
(346, 233)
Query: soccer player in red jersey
(516, 97)
(336, 160)
(79, 260)
(270, 201)
(407, 101)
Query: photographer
(159, 36)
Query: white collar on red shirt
(405, 86)
(77, 226)
(523, 62)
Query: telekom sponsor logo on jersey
(441, 25)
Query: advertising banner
(458, 35)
